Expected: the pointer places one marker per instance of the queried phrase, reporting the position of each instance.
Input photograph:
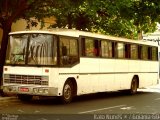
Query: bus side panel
(134, 69)
(148, 73)
(65, 74)
(134, 66)
(107, 75)
(54, 79)
(122, 79)
(89, 78)
(23, 70)
(154, 67)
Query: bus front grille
(25, 79)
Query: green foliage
(71, 14)
(125, 18)
(143, 13)
(116, 17)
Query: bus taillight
(46, 70)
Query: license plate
(24, 89)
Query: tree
(71, 14)
(12, 10)
(126, 18)
(143, 13)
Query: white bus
(67, 63)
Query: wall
(21, 25)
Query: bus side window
(145, 52)
(120, 50)
(68, 51)
(64, 51)
(64, 57)
(134, 51)
(106, 49)
(154, 53)
(90, 47)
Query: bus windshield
(32, 49)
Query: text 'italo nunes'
(127, 117)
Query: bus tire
(67, 94)
(25, 98)
(134, 86)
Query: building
(22, 24)
(155, 37)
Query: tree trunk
(140, 37)
(69, 20)
(4, 43)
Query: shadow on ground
(85, 98)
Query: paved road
(102, 103)
(144, 102)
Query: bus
(66, 63)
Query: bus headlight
(9, 89)
(14, 89)
(35, 90)
(40, 90)
(46, 91)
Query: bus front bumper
(30, 90)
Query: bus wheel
(67, 92)
(134, 86)
(24, 97)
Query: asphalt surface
(91, 107)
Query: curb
(155, 88)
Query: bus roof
(77, 33)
